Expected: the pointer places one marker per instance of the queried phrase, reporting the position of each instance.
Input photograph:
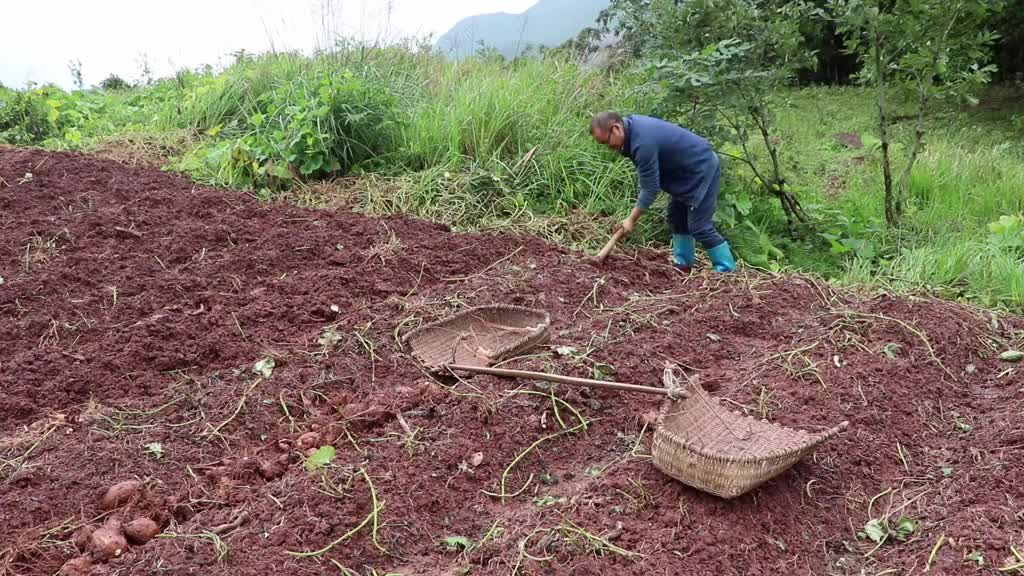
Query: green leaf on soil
(456, 543)
(890, 350)
(976, 557)
(876, 530)
(548, 501)
(565, 351)
(1012, 356)
(962, 425)
(329, 338)
(603, 371)
(592, 471)
(947, 471)
(323, 456)
(264, 367)
(156, 449)
(905, 527)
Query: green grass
(968, 176)
(484, 144)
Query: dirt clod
(849, 139)
(81, 538)
(141, 530)
(120, 494)
(79, 566)
(270, 470)
(650, 417)
(309, 440)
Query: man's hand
(627, 226)
(629, 223)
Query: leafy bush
(305, 127)
(26, 117)
(1008, 232)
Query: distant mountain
(547, 23)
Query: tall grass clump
(276, 119)
(488, 141)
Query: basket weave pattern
(704, 445)
(479, 336)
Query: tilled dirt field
(203, 344)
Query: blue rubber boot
(721, 258)
(683, 250)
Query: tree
(920, 51)
(1009, 24)
(722, 64)
(113, 82)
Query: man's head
(608, 128)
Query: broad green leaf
(311, 165)
(838, 248)
(871, 143)
(280, 171)
(743, 204)
(323, 456)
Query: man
(671, 158)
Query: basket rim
(539, 331)
(811, 439)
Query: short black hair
(605, 120)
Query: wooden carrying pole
(619, 386)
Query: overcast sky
(39, 37)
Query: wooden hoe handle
(619, 233)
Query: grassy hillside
(485, 144)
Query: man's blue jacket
(670, 158)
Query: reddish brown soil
(135, 305)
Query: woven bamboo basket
(479, 336)
(704, 445)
